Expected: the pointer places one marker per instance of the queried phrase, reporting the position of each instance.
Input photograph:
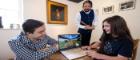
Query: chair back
(135, 47)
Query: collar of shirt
(28, 43)
(87, 12)
(24, 39)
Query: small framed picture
(108, 9)
(127, 5)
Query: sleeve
(26, 53)
(95, 21)
(78, 19)
(126, 48)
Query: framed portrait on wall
(128, 5)
(108, 9)
(57, 13)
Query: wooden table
(60, 56)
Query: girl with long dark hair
(116, 41)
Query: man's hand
(55, 46)
(48, 47)
(88, 27)
(44, 49)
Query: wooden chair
(134, 52)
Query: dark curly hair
(30, 25)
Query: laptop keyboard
(74, 53)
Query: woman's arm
(95, 45)
(96, 55)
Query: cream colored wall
(5, 35)
(131, 16)
(36, 9)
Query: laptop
(69, 45)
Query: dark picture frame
(57, 13)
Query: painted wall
(131, 16)
(5, 35)
(37, 9)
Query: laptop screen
(69, 41)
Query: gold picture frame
(57, 13)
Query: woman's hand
(85, 47)
(95, 45)
(96, 55)
(92, 53)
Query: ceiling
(76, 1)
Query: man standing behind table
(86, 21)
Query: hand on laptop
(85, 48)
(92, 46)
(92, 53)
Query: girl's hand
(92, 53)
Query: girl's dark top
(117, 46)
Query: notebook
(69, 45)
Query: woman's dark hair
(30, 25)
(87, 1)
(118, 28)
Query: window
(11, 13)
